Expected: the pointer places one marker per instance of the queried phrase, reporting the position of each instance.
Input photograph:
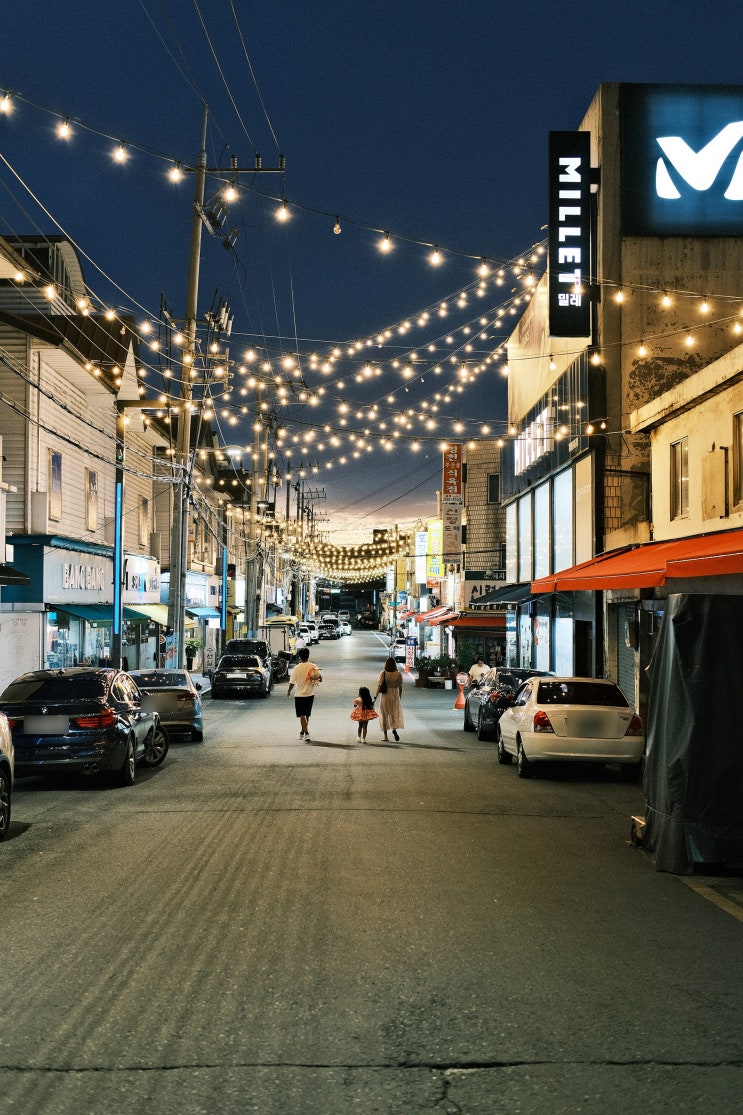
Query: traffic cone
(462, 680)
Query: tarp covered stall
(694, 765)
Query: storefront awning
(478, 622)
(405, 615)
(446, 618)
(442, 610)
(101, 614)
(653, 565)
(156, 613)
(203, 613)
(508, 594)
(11, 576)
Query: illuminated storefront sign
(569, 234)
(682, 160)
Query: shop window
(680, 479)
(54, 488)
(91, 499)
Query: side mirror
(197, 685)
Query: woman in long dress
(390, 707)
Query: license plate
(46, 725)
(589, 726)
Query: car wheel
(630, 772)
(504, 757)
(4, 803)
(525, 768)
(483, 733)
(128, 771)
(155, 747)
(468, 725)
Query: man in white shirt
(304, 678)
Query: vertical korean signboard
(569, 234)
(452, 501)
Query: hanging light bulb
(64, 131)
(642, 350)
(120, 153)
(552, 363)
(6, 105)
(483, 269)
(175, 174)
(337, 226)
(282, 213)
(435, 256)
(385, 244)
(619, 296)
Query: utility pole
(182, 471)
(182, 491)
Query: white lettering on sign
(79, 577)
(571, 172)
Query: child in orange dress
(363, 711)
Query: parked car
(398, 651)
(241, 673)
(345, 627)
(6, 774)
(343, 613)
(330, 629)
(259, 647)
(309, 634)
(483, 705)
(314, 629)
(174, 696)
(558, 719)
(83, 719)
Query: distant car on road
(6, 775)
(566, 719)
(345, 627)
(398, 650)
(239, 674)
(330, 629)
(83, 719)
(484, 702)
(343, 613)
(175, 697)
(368, 620)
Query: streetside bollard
(462, 680)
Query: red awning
(405, 615)
(446, 618)
(652, 565)
(482, 622)
(442, 610)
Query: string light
(120, 153)
(282, 213)
(64, 131)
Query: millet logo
(700, 169)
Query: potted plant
(192, 646)
(444, 666)
(424, 668)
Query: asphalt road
(267, 925)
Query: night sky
(426, 119)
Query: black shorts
(303, 706)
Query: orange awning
(442, 610)
(446, 618)
(482, 621)
(652, 565)
(404, 615)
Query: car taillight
(13, 723)
(542, 722)
(102, 719)
(634, 728)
